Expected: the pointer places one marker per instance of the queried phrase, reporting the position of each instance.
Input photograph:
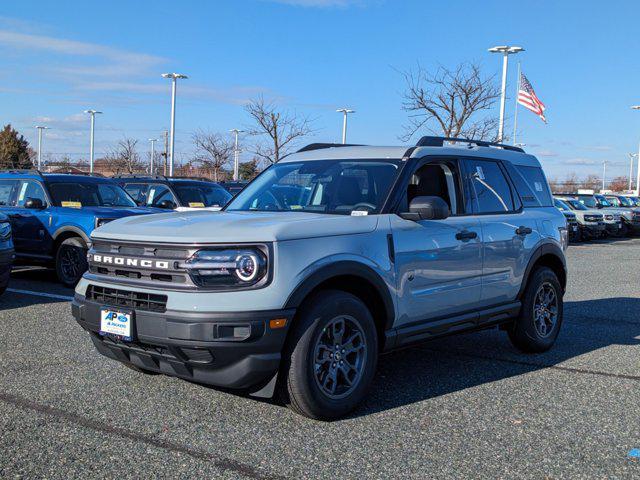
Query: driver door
(438, 262)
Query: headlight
(5, 230)
(227, 267)
(102, 221)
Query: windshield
(624, 201)
(576, 205)
(561, 205)
(322, 186)
(89, 194)
(603, 201)
(201, 195)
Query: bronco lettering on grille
(130, 262)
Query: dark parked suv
(53, 215)
(6, 251)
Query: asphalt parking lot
(466, 406)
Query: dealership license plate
(113, 322)
(575, 228)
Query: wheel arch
(547, 255)
(355, 278)
(66, 232)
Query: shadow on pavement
(33, 279)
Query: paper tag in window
(359, 213)
(479, 172)
(295, 207)
(71, 204)
(538, 186)
(196, 204)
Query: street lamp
(604, 174)
(637, 107)
(93, 123)
(174, 80)
(506, 50)
(40, 128)
(153, 153)
(631, 157)
(236, 155)
(345, 112)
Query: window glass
(489, 187)
(525, 191)
(201, 194)
(6, 187)
(323, 186)
(30, 189)
(158, 193)
(537, 182)
(136, 190)
(435, 180)
(561, 205)
(589, 201)
(89, 194)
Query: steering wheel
(275, 203)
(369, 206)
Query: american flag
(528, 98)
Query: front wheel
(538, 325)
(71, 261)
(331, 356)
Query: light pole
(631, 157)
(506, 50)
(93, 124)
(40, 128)
(174, 80)
(637, 193)
(604, 174)
(345, 112)
(153, 153)
(236, 155)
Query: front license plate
(113, 322)
(575, 229)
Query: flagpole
(515, 115)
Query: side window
(136, 190)
(534, 177)
(489, 187)
(6, 190)
(30, 189)
(436, 180)
(158, 193)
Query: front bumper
(200, 347)
(594, 229)
(613, 227)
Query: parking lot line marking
(222, 463)
(41, 294)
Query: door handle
(523, 230)
(466, 235)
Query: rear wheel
(71, 261)
(537, 327)
(331, 356)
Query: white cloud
(580, 161)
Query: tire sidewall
(316, 314)
(74, 242)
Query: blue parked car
(53, 215)
(6, 252)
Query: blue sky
(313, 56)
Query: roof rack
(33, 171)
(137, 175)
(200, 179)
(428, 141)
(319, 146)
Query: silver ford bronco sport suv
(329, 258)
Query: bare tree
(212, 151)
(619, 184)
(450, 102)
(124, 158)
(281, 128)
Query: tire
(306, 385)
(578, 238)
(625, 230)
(71, 261)
(525, 334)
(140, 370)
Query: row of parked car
(591, 216)
(47, 219)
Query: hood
(591, 211)
(116, 212)
(233, 227)
(568, 214)
(195, 209)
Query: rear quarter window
(532, 186)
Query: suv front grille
(125, 298)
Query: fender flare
(547, 248)
(71, 228)
(340, 268)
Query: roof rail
(137, 175)
(33, 171)
(428, 141)
(319, 146)
(200, 179)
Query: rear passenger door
(509, 235)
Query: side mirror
(427, 208)
(166, 204)
(33, 203)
